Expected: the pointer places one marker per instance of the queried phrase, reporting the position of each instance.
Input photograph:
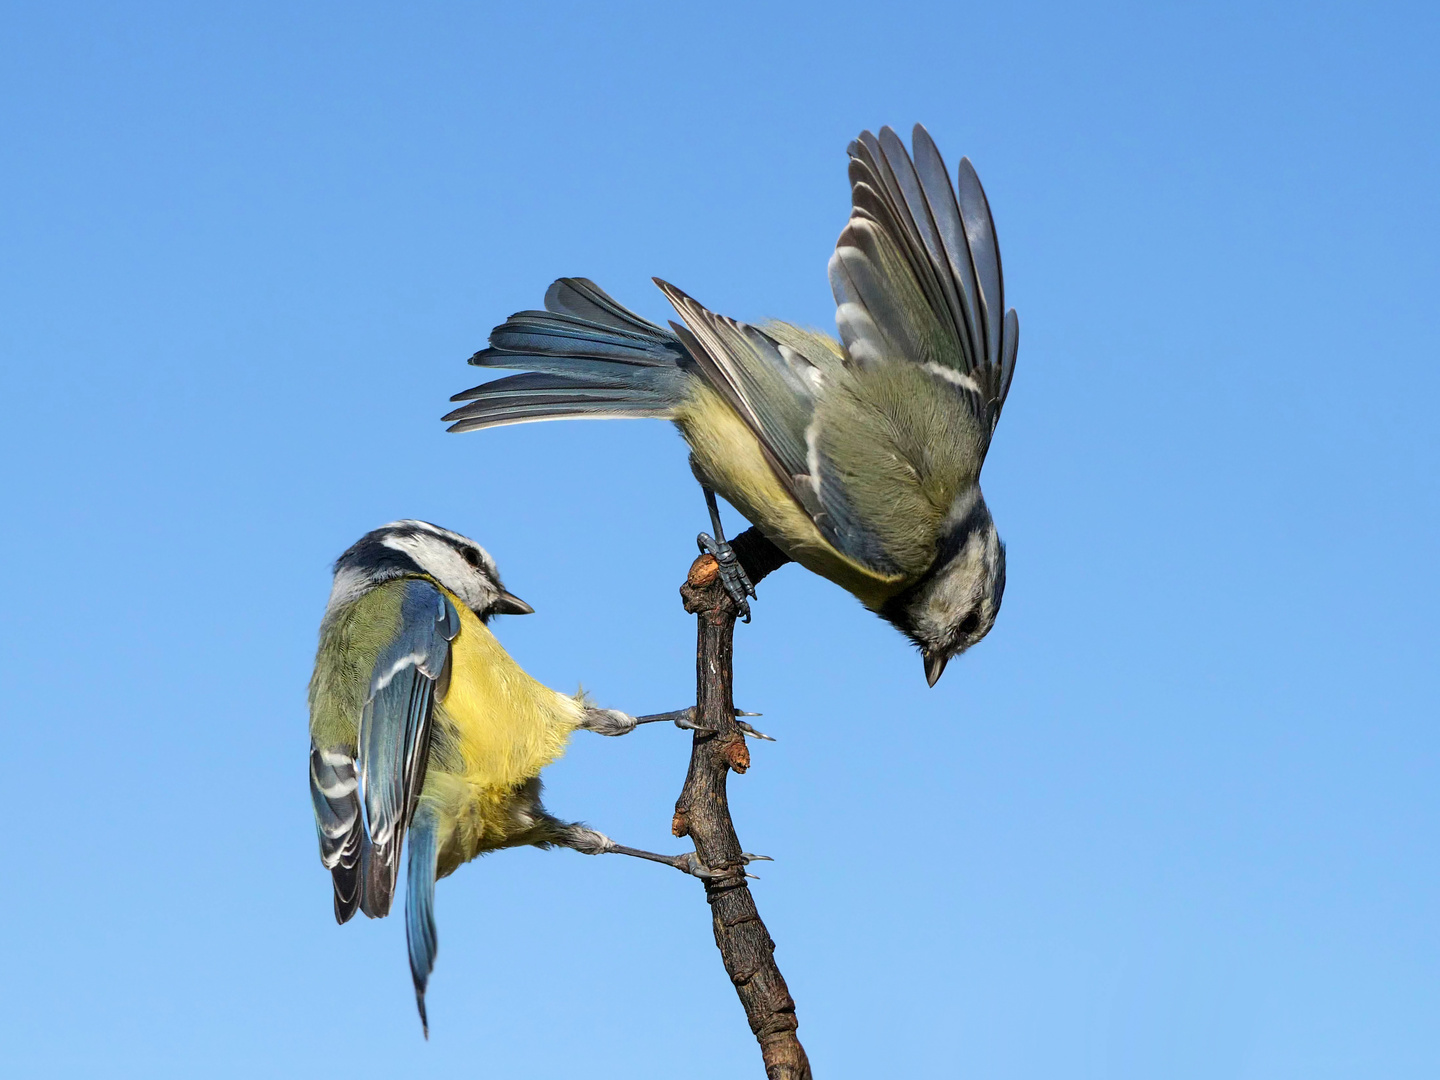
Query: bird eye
(969, 623)
(471, 556)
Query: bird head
(410, 548)
(955, 603)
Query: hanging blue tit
(859, 458)
(422, 724)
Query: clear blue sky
(1176, 817)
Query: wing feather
(916, 272)
(394, 738)
(334, 791)
(771, 386)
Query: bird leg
(615, 722)
(732, 574)
(587, 841)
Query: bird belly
(729, 455)
(496, 729)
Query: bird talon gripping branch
(732, 575)
(418, 713)
(800, 432)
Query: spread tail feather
(420, 904)
(586, 356)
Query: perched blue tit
(859, 458)
(421, 723)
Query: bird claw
(732, 574)
(685, 720)
(690, 863)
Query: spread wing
(916, 272)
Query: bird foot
(690, 863)
(685, 720)
(589, 842)
(732, 574)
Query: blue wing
(394, 739)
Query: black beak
(935, 667)
(505, 604)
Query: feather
(587, 356)
(583, 299)
(334, 791)
(517, 399)
(395, 729)
(1010, 345)
(770, 386)
(940, 197)
(420, 904)
(916, 273)
(984, 252)
(938, 286)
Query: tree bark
(703, 813)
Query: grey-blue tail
(587, 357)
(420, 904)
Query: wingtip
(672, 292)
(678, 297)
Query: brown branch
(703, 813)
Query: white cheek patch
(443, 562)
(954, 594)
(950, 603)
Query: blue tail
(420, 903)
(587, 357)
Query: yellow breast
(500, 728)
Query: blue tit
(421, 723)
(859, 458)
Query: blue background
(1175, 817)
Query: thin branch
(703, 813)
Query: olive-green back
(350, 643)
